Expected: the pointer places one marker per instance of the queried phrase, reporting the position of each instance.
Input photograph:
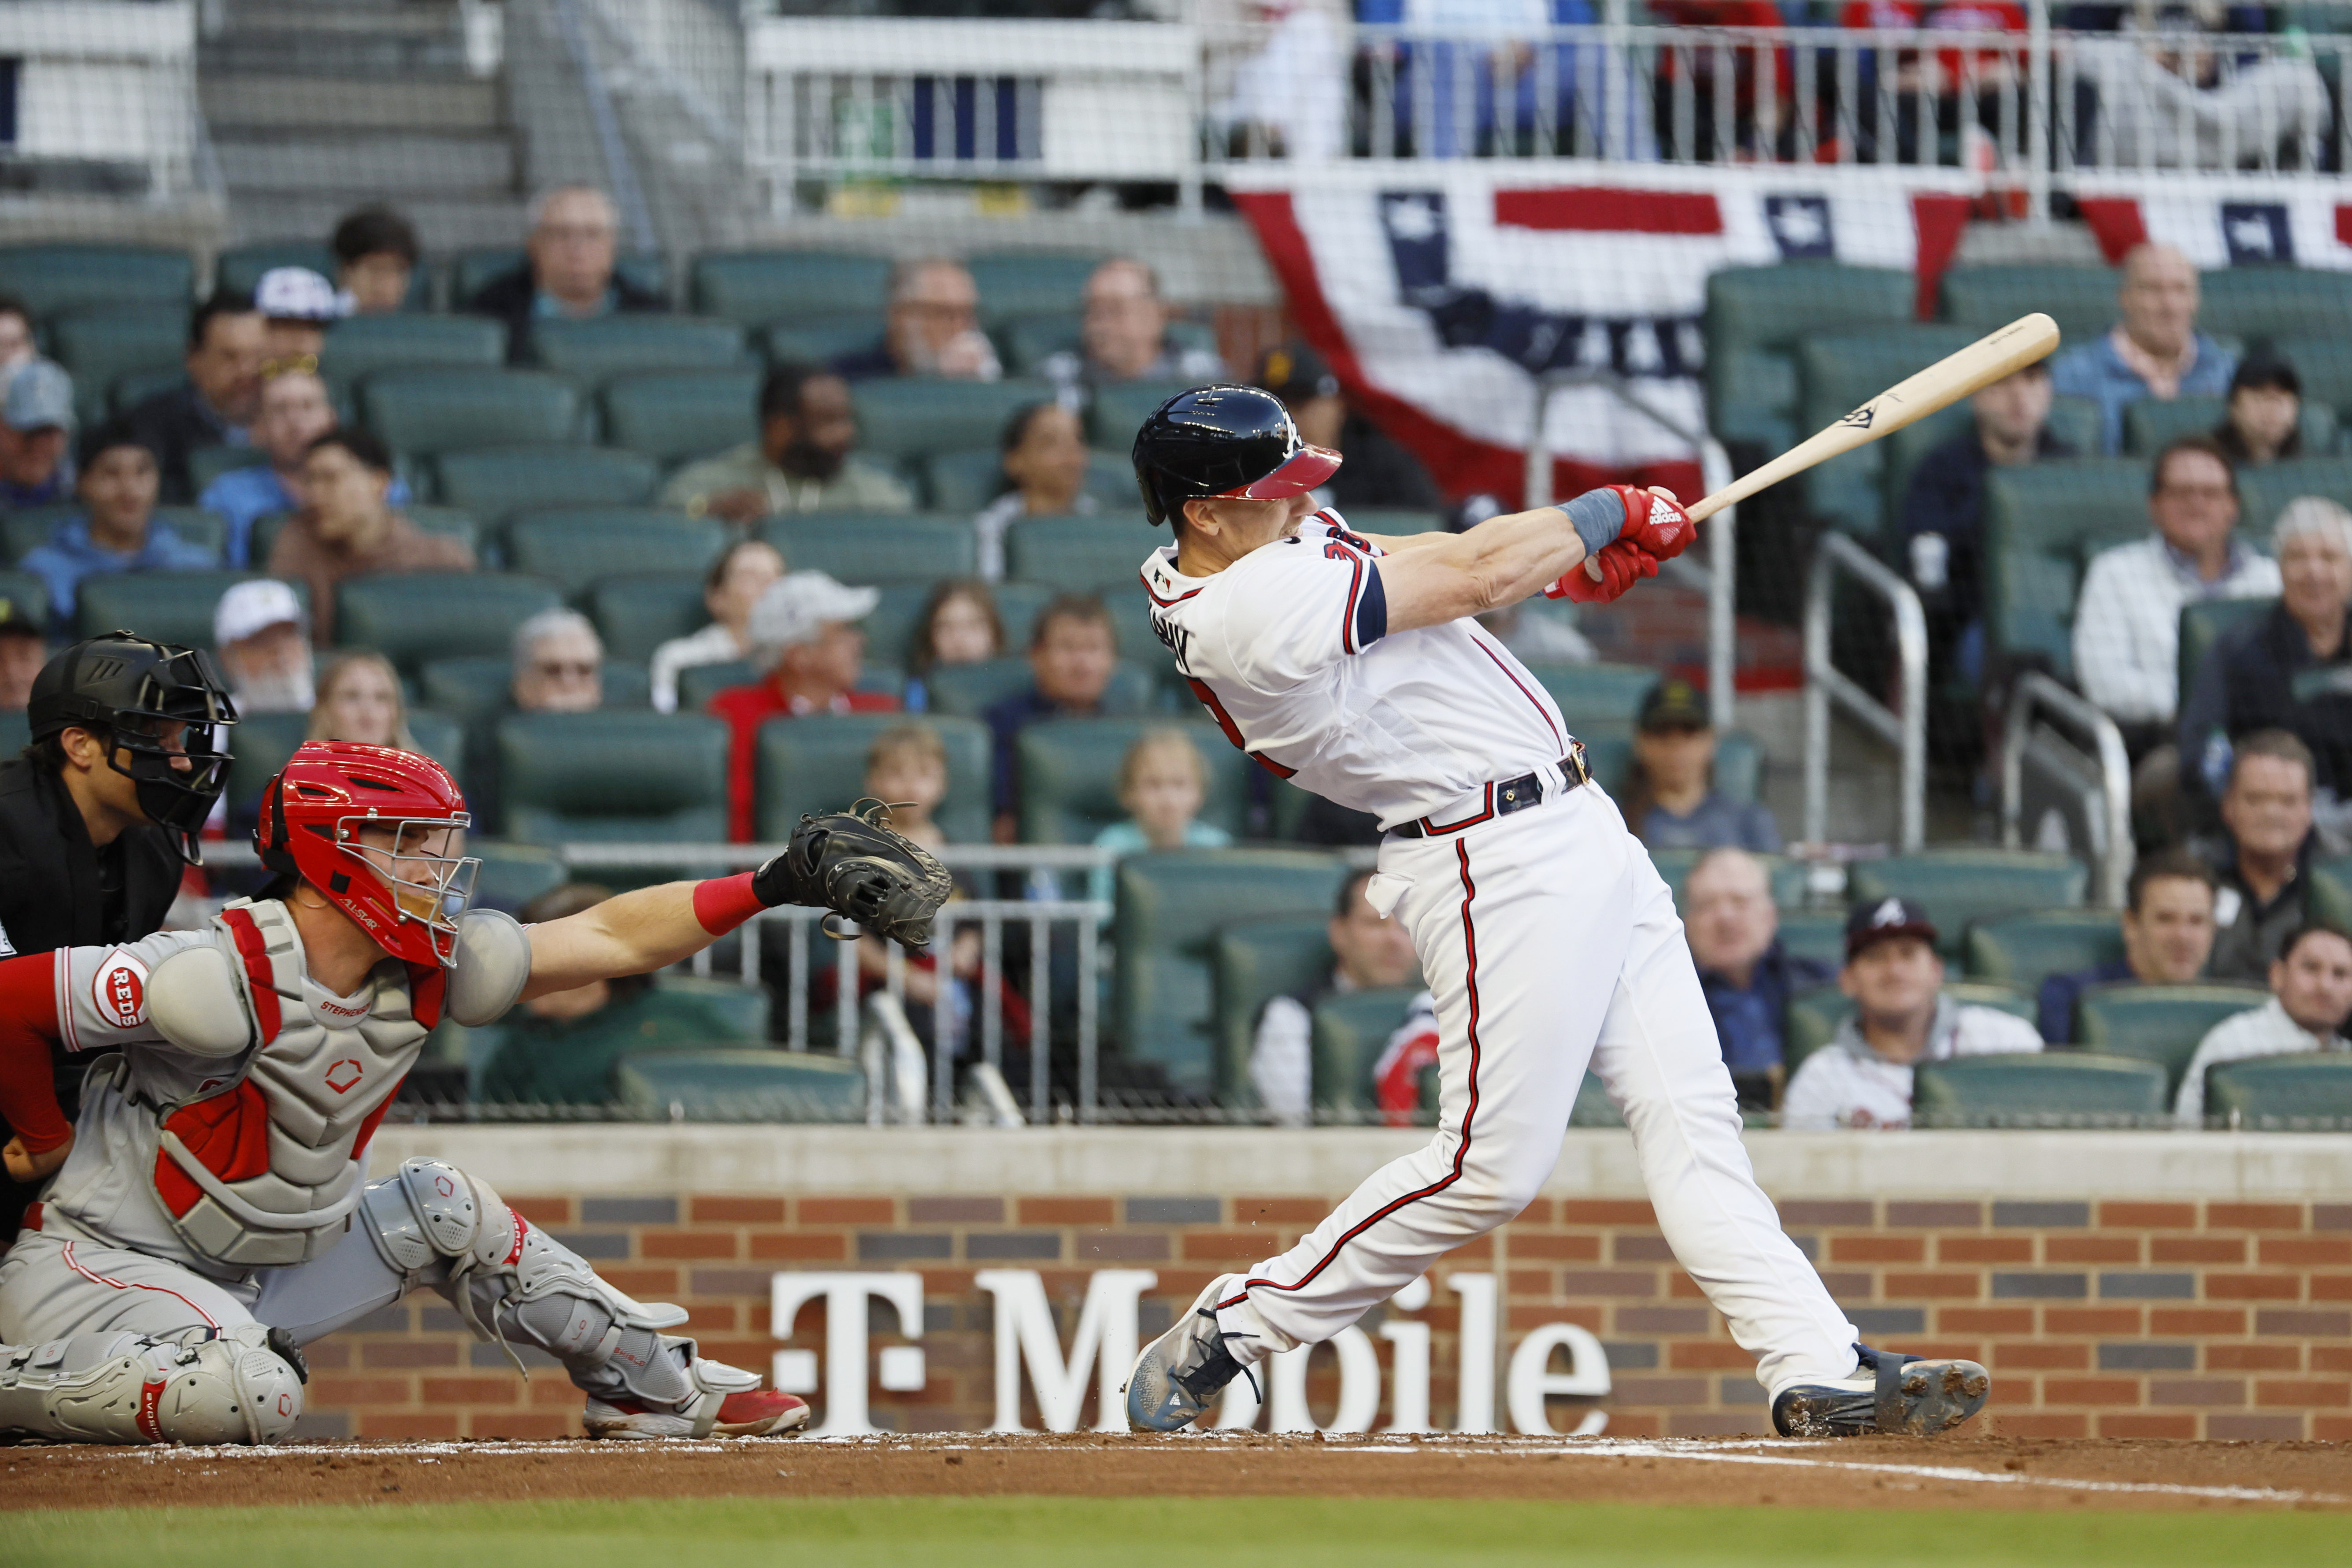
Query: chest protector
(261, 1170)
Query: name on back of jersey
(1179, 640)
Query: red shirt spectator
(805, 630)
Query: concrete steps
(257, 101)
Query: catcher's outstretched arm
(636, 932)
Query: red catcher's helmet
(375, 830)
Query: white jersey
(1290, 650)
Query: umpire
(100, 817)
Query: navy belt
(1505, 796)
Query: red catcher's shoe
(761, 1412)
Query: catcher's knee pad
(201, 1386)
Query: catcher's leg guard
(203, 1385)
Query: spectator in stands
(2311, 997)
(116, 530)
(1669, 798)
(2263, 421)
(908, 767)
(1123, 336)
(558, 664)
(1072, 652)
(297, 304)
(744, 570)
(2168, 936)
(37, 425)
(376, 253)
(348, 528)
(227, 341)
(1901, 1016)
(802, 460)
(958, 625)
(1044, 469)
(359, 701)
(807, 645)
(1163, 783)
(17, 345)
(1370, 951)
(264, 643)
(23, 650)
(1379, 472)
(2155, 351)
(2127, 622)
(1734, 928)
(2264, 861)
(2290, 670)
(1943, 509)
(568, 272)
(931, 327)
(295, 412)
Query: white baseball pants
(1550, 941)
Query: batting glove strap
(1599, 517)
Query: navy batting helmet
(1220, 441)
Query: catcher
(212, 1215)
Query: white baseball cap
(297, 294)
(253, 607)
(799, 605)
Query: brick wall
(2223, 1320)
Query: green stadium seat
(2325, 366)
(1252, 965)
(473, 688)
(133, 387)
(47, 278)
(890, 629)
(968, 690)
(1902, 450)
(512, 875)
(362, 345)
(2283, 1093)
(2160, 1024)
(169, 606)
(675, 414)
(1120, 410)
(863, 547)
(743, 1085)
(578, 549)
(637, 614)
(422, 412)
(912, 416)
(33, 526)
(197, 525)
(2025, 949)
(2043, 525)
(1350, 1032)
(497, 483)
(2045, 1088)
(2081, 299)
(2284, 306)
(207, 464)
(1172, 907)
(414, 617)
(97, 344)
(2077, 423)
(699, 683)
(1029, 282)
(16, 734)
(262, 742)
(1957, 885)
(967, 480)
(1592, 1108)
(239, 268)
(1839, 370)
(2204, 622)
(596, 351)
(741, 1012)
(613, 776)
(2264, 490)
(1018, 606)
(755, 287)
(821, 341)
(1813, 1016)
(1078, 554)
(818, 764)
(1786, 877)
(1755, 315)
(470, 272)
(25, 593)
(2330, 900)
(1069, 776)
(1813, 934)
(454, 523)
(1597, 695)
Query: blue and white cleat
(1181, 1371)
(1888, 1393)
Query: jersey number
(1233, 731)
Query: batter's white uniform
(1545, 933)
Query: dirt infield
(1886, 1473)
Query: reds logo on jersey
(119, 991)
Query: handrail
(2036, 692)
(1904, 730)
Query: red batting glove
(1655, 522)
(1622, 565)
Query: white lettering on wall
(1409, 1398)
(845, 1336)
(1105, 1339)
(1531, 1378)
(1475, 1410)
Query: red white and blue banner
(2223, 220)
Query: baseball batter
(213, 1213)
(1351, 664)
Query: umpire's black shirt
(58, 889)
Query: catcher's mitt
(856, 864)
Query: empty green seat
(1251, 966)
(240, 267)
(1601, 692)
(2325, 367)
(1838, 371)
(133, 387)
(2263, 490)
(637, 614)
(417, 615)
(1027, 282)
(743, 1085)
(576, 549)
(1592, 1108)
(512, 875)
(169, 606)
(1813, 1016)
(1351, 1030)
(2025, 949)
(1121, 409)
(754, 287)
(1172, 907)
(1957, 885)
(97, 344)
(2044, 1088)
(873, 547)
(16, 733)
(890, 629)
(2286, 306)
(2205, 622)
(2160, 1024)
(1070, 777)
(362, 345)
(425, 411)
(472, 270)
(821, 341)
(2081, 299)
(1816, 934)
(2283, 1093)
(1078, 554)
(818, 764)
(1755, 315)
(2149, 423)
(601, 347)
(675, 414)
(2043, 525)
(613, 776)
(2331, 891)
(912, 416)
(47, 278)
(496, 483)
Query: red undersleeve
(28, 1022)
(722, 903)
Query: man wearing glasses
(568, 272)
(932, 328)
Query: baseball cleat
(1179, 1372)
(758, 1412)
(1888, 1393)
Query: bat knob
(1592, 570)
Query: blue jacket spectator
(2168, 936)
(36, 423)
(1748, 976)
(295, 412)
(116, 531)
(2155, 351)
(1669, 799)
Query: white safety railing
(2088, 762)
(1903, 727)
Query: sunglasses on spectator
(576, 670)
(292, 364)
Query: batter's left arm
(1442, 577)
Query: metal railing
(107, 85)
(1904, 727)
(2105, 805)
